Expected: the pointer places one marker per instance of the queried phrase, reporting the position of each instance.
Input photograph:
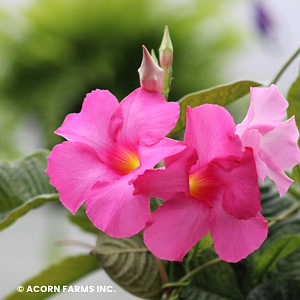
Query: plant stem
(200, 268)
(274, 81)
(284, 216)
(184, 280)
(67, 242)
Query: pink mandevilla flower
(274, 142)
(209, 186)
(109, 145)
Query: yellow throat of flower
(125, 161)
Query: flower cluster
(209, 182)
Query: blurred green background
(54, 52)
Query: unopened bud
(151, 75)
(166, 51)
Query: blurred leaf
(276, 290)
(63, 273)
(272, 204)
(287, 268)
(7, 218)
(129, 263)
(293, 98)
(221, 95)
(205, 243)
(24, 185)
(82, 220)
(273, 254)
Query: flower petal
(211, 130)
(95, 125)
(113, 209)
(267, 109)
(73, 168)
(176, 227)
(235, 239)
(147, 117)
(151, 155)
(282, 181)
(251, 138)
(242, 195)
(164, 183)
(279, 147)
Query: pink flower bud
(151, 75)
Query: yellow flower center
(125, 161)
(196, 183)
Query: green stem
(284, 216)
(274, 81)
(185, 279)
(199, 269)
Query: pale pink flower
(210, 186)
(274, 142)
(109, 145)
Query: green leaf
(82, 220)
(217, 280)
(287, 268)
(24, 185)
(273, 254)
(222, 95)
(196, 293)
(129, 263)
(293, 98)
(272, 204)
(58, 275)
(281, 290)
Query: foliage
(24, 186)
(79, 49)
(58, 275)
(129, 263)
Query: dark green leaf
(287, 268)
(280, 290)
(63, 273)
(216, 280)
(128, 262)
(273, 254)
(23, 186)
(222, 95)
(273, 205)
(81, 220)
(196, 293)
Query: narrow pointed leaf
(221, 95)
(23, 186)
(58, 275)
(129, 263)
(273, 254)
